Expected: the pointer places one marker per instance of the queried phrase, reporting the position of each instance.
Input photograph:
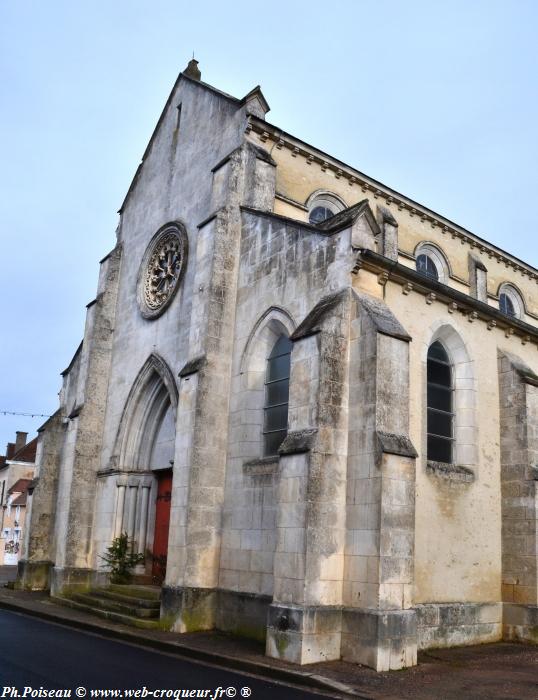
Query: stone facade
(351, 539)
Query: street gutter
(303, 679)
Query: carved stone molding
(161, 270)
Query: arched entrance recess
(144, 457)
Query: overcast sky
(437, 100)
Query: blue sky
(437, 100)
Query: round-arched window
(431, 262)
(510, 302)
(506, 305)
(426, 266)
(319, 214)
(322, 205)
(440, 390)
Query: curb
(268, 672)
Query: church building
(310, 401)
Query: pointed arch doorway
(145, 457)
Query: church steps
(141, 623)
(135, 591)
(150, 603)
(131, 609)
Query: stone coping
(452, 472)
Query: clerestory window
(506, 305)
(277, 388)
(319, 214)
(440, 392)
(426, 266)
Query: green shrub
(121, 559)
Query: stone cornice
(457, 301)
(313, 156)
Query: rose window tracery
(162, 269)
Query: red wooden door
(162, 524)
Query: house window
(440, 391)
(426, 266)
(277, 387)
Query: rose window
(162, 268)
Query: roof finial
(192, 70)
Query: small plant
(159, 568)
(121, 559)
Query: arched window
(319, 214)
(506, 305)
(440, 421)
(511, 302)
(426, 266)
(322, 205)
(277, 388)
(431, 262)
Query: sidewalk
(490, 671)
(7, 573)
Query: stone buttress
(519, 477)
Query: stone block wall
(283, 272)
(519, 478)
(458, 624)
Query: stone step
(134, 591)
(115, 606)
(108, 614)
(127, 599)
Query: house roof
(20, 486)
(26, 453)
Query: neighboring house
(17, 468)
(311, 401)
(13, 522)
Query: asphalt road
(38, 654)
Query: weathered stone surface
(303, 634)
(382, 317)
(519, 451)
(192, 366)
(457, 624)
(452, 472)
(383, 640)
(297, 441)
(312, 323)
(391, 443)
